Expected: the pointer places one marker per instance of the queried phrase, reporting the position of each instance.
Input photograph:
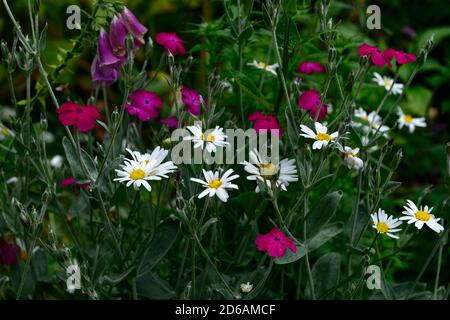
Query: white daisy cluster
(209, 139)
(387, 83)
(143, 168)
(271, 174)
(323, 138)
(385, 224)
(407, 120)
(271, 68)
(217, 185)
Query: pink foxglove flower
(262, 123)
(172, 42)
(308, 67)
(171, 122)
(106, 65)
(82, 117)
(118, 32)
(191, 100)
(310, 100)
(374, 53)
(275, 243)
(144, 104)
(134, 26)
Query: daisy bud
(170, 59)
(149, 47)
(397, 159)
(4, 50)
(44, 122)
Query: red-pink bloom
(308, 67)
(374, 53)
(70, 181)
(67, 182)
(310, 100)
(262, 123)
(172, 42)
(82, 117)
(191, 99)
(400, 56)
(275, 243)
(171, 122)
(144, 104)
(8, 253)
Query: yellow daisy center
(382, 227)
(137, 174)
(5, 132)
(268, 169)
(263, 65)
(387, 82)
(407, 118)
(423, 215)
(216, 183)
(365, 118)
(323, 137)
(210, 138)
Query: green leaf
(250, 88)
(325, 274)
(418, 99)
(152, 251)
(75, 165)
(153, 287)
(322, 213)
(324, 235)
(290, 257)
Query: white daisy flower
(246, 287)
(57, 161)
(406, 120)
(145, 167)
(420, 217)
(321, 136)
(351, 158)
(272, 68)
(281, 174)
(5, 133)
(216, 185)
(387, 82)
(385, 224)
(209, 139)
(369, 122)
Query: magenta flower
(308, 67)
(171, 122)
(191, 100)
(82, 117)
(275, 243)
(310, 100)
(67, 182)
(134, 26)
(374, 53)
(70, 181)
(144, 104)
(400, 56)
(172, 42)
(262, 123)
(8, 253)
